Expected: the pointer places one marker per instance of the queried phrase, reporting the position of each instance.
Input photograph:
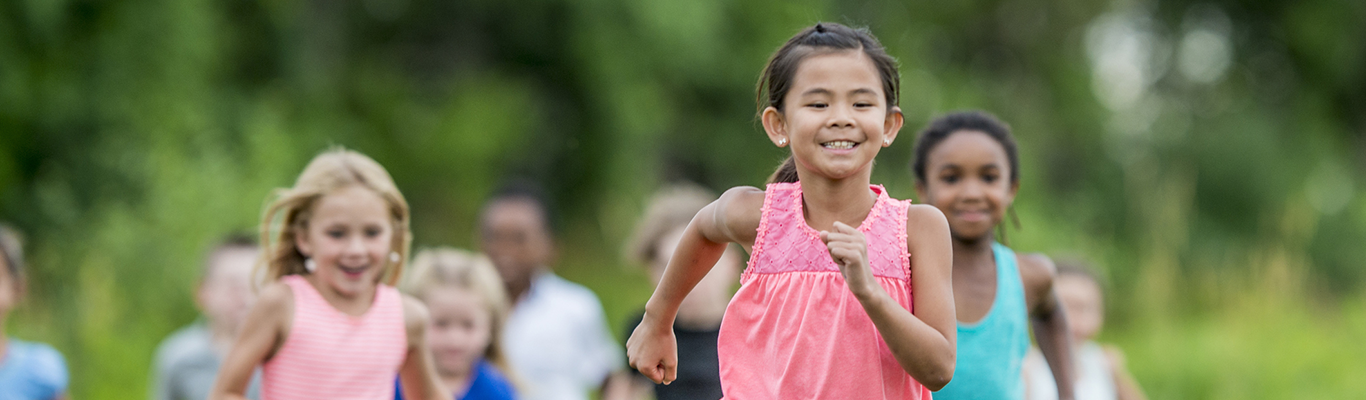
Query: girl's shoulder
(276, 296)
(1036, 268)
(738, 211)
(1036, 275)
(924, 214)
(925, 222)
(743, 197)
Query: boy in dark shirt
(699, 316)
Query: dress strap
(775, 194)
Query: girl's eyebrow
(949, 166)
(827, 92)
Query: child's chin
(971, 231)
(348, 287)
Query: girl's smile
(973, 215)
(353, 273)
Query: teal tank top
(991, 351)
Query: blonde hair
(289, 210)
(670, 208)
(445, 266)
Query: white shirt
(1092, 368)
(557, 340)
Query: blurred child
(1100, 372)
(468, 308)
(327, 324)
(28, 370)
(847, 292)
(556, 336)
(966, 165)
(699, 315)
(187, 362)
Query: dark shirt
(699, 372)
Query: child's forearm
(1126, 387)
(1055, 342)
(692, 260)
(923, 351)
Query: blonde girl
(468, 308)
(328, 322)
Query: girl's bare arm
(1126, 387)
(734, 217)
(263, 331)
(418, 372)
(924, 343)
(1048, 320)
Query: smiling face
(835, 115)
(349, 236)
(967, 176)
(460, 330)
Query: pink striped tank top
(793, 330)
(331, 355)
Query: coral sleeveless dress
(794, 330)
(332, 355)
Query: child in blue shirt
(28, 370)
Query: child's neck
(457, 381)
(221, 337)
(968, 254)
(355, 305)
(518, 289)
(845, 200)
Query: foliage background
(1207, 157)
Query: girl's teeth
(839, 145)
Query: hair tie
(819, 28)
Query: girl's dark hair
(941, 128)
(777, 77)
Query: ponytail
(786, 173)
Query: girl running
(825, 308)
(966, 165)
(328, 324)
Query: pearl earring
(782, 141)
(887, 142)
(310, 265)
